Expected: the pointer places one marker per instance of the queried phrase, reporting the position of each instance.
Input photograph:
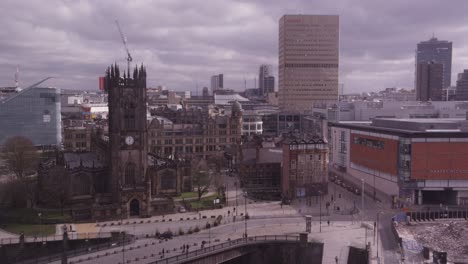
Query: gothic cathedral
(128, 179)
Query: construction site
(421, 239)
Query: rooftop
(86, 160)
(266, 155)
(427, 127)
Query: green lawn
(204, 203)
(30, 230)
(186, 195)
(28, 215)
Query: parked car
(182, 209)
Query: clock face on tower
(129, 140)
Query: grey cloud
(185, 42)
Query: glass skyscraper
(439, 51)
(33, 113)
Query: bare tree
(20, 155)
(217, 163)
(201, 177)
(22, 159)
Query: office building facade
(414, 160)
(217, 82)
(462, 86)
(266, 82)
(33, 113)
(439, 51)
(308, 60)
(429, 81)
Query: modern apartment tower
(462, 86)
(216, 82)
(308, 61)
(429, 81)
(439, 51)
(266, 82)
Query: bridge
(258, 249)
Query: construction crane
(124, 40)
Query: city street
(266, 218)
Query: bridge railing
(71, 236)
(226, 245)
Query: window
(82, 184)
(129, 119)
(188, 141)
(188, 149)
(168, 150)
(130, 174)
(168, 141)
(371, 143)
(179, 141)
(168, 180)
(179, 149)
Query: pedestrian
(336, 259)
(328, 222)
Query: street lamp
(235, 184)
(123, 246)
(40, 223)
(320, 216)
(362, 195)
(377, 233)
(245, 214)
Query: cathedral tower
(128, 181)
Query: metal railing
(435, 213)
(78, 252)
(226, 245)
(37, 239)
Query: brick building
(415, 161)
(305, 168)
(187, 133)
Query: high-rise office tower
(308, 60)
(429, 81)
(266, 82)
(439, 51)
(462, 86)
(216, 82)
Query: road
(266, 218)
(211, 236)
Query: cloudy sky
(184, 42)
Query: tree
(20, 155)
(217, 163)
(21, 158)
(201, 177)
